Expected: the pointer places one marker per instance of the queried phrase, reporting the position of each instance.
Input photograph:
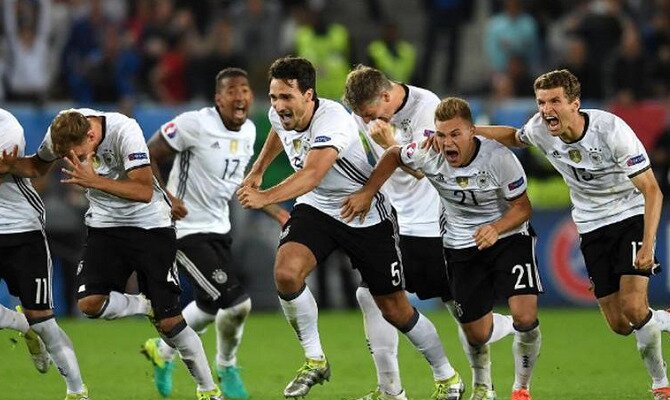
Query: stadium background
(152, 59)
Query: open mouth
(552, 122)
(240, 112)
(285, 117)
(451, 155)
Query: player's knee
(288, 276)
(477, 337)
(524, 320)
(91, 306)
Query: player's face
(88, 145)
(290, 103)
(455, 138)
(234, 99)
(377, 109)
(556, 110)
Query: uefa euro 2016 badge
(575, 155)
(482, 179)
(462, 181)
(596, 156)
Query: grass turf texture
(580, 359)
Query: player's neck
(96, 127)
(398, 94)
(575, 129)
(307, 117)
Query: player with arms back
(322, 143)
(212, 147)
(616, 206)
(391, 113)
(129, 226)
(488, 246)
(25, 265)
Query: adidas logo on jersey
(215, 145)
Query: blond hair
(453, 107)
(68, 129)
(364, 85)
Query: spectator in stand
(512, 33)
(444, 19)
(631, 68)
(28, 49)
(392, 55)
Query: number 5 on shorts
(396, 275)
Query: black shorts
(424, 267)
(206, 260)
(609, 253)
(478, 277)
(373, 250)
(112, 254)
(25, 264)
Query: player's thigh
(375, 252)
(471, 282)
(206, 260)
(311, 229)
(103, 267)
(516, 271)
(156, 269)
(27, 269)
(628, 240)
(424, 267)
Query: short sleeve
(510, 174)
(12, 135)
(46, 151)
(413, 156)
(182, 132)
(331, 131)
(526, 133)
(628, 151)
(133, 148)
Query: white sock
(188, 343)
(503, 325)
(663, 319)
(13, 320)
(302, 314)
(423, 336)
(229, 330)
(121, 305)
(479, 358)
(382, 340)
(526, 349)
(196, 318)
(62, 353)
(649, 345)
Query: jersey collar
(316, 107)
(586, 128)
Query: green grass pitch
(580, 359)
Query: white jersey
(122, 149)
(332, 126)
(597, 167)
(208, 167)
(415, 200)
(474, 195)
(21, 209)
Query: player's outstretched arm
(160, 153)
(271, 149)
(653, 202)
(26, 167)
(506, 135)
(517, 213)
(358, 204)
(317, 164)
(138, 186)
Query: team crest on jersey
(109, 158)
(575, 155)
(233, 146)
(482, 179)
(596, 156)
(462, 181)
(219, 276)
